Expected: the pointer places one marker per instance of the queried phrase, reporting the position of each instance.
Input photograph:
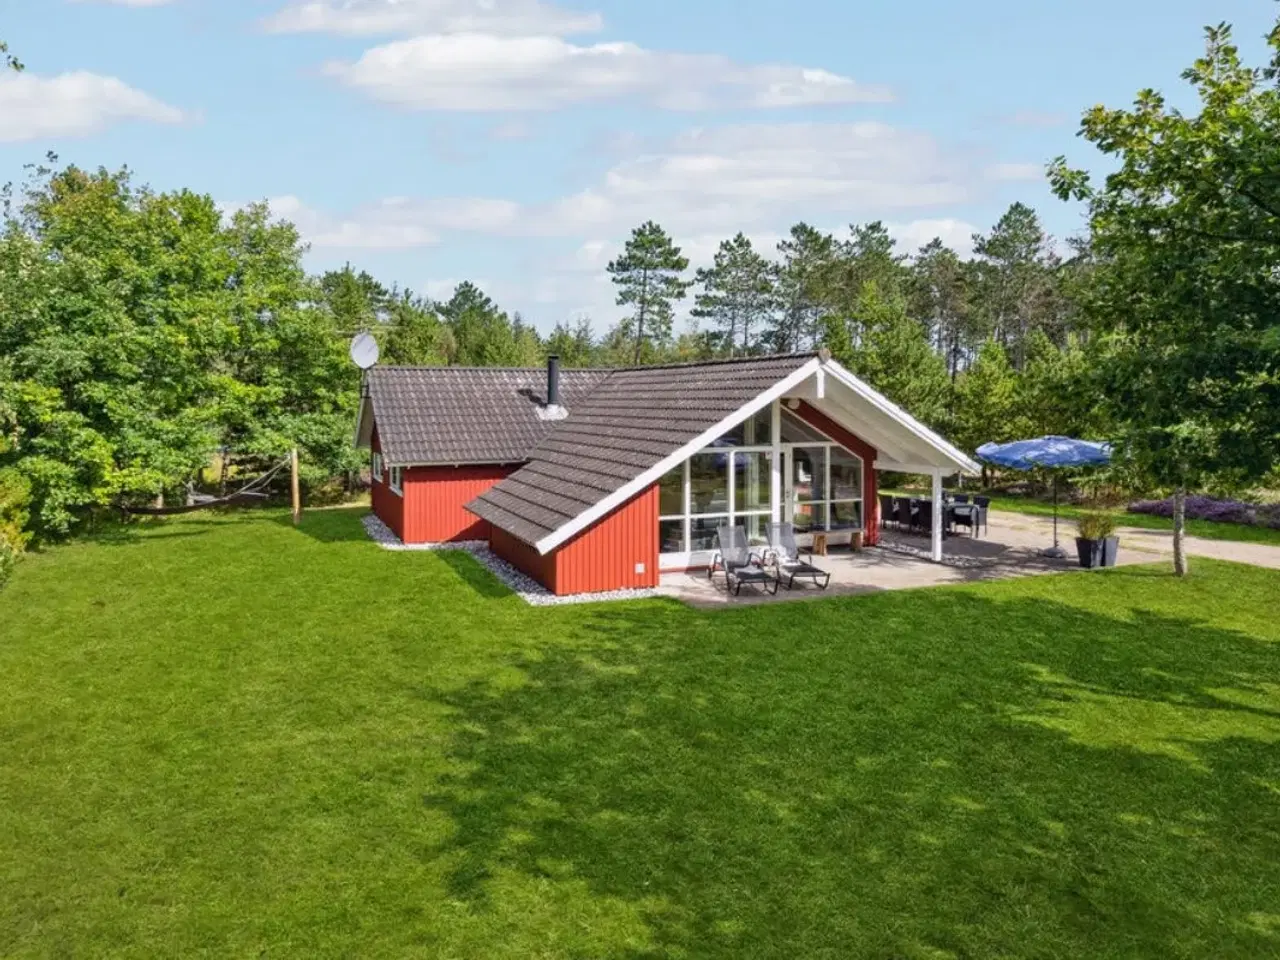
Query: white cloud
(412, 17)
(395, 223)
(701, 184)
(1037, 118)
(72, 105)
(744, 177)
(956, 234)
(484, 72)
(1016, 171)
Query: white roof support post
(775, 472)
(937, 516)
(821, 384)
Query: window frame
(397, 481)
(376, 467)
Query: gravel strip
(524, 586)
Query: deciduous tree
(1186, 233)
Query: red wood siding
(859, 447)
(601, 558)
(387, 505)
(524, 557)
(606, 554)
(435, 500)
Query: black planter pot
(1097, 553)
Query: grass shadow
(884, 776)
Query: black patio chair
(906, 515)
(964, 515)
(924, 516)
(741, 565)
(888, 512)
(788, 557)
(983, 504)
(961, 498)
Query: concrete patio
(1009, 548)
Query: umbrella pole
(1055, 552)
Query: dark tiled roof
(448, 415)
(629, 423)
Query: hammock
(249, 493)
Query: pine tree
(797, 322)
(650, 279)
(738, 296)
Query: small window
(377, 468)
(397, 480)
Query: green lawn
(227, 737)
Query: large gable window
(731, 482)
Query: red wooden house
(598, 480)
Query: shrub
(8, 558)
(15, 502)
(1096, 525)
(1200, 507)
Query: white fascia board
(656, 472)
(893, 411)
(361, 440)
(894, 466)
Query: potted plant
(1097, 543)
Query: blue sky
(517, 142)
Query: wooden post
(294, 488)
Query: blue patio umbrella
(1048, 453)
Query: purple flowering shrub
(1217, 511)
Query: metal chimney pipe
(553, 381)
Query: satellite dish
(364, 351)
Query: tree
(940, 299)
(10, 61)
(356, 300)
(1015, 290)
(576, 345)
(868, 256)
(1054, 391)
(483, 335)
(139, 332)
(1186, 237)
(796, 324)
(894, 356)
(737, 296)
(985, 405)
(414, 334)
(650, 279)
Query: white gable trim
(363, 439)
(656, 472)
(893, 411)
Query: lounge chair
(787, 556)
(739, 563)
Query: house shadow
(887, 775)
(473, 574)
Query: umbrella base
(1054, 553)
